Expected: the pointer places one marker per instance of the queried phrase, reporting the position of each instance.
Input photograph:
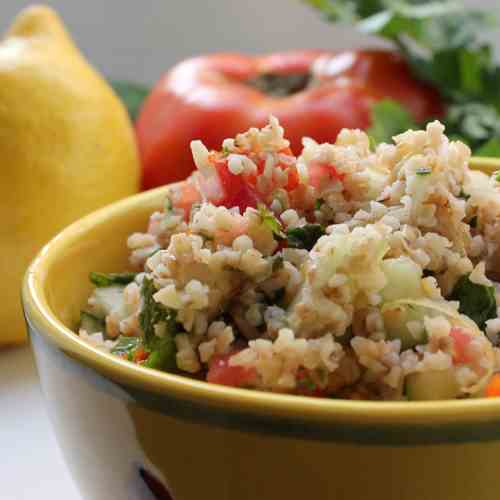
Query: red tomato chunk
(220, 372)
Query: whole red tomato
(313, 93)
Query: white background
(138, 40)
(31, 465)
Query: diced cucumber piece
(432, 385)
(105, 300)
(396, 324)
(403, 279)
(91, 323)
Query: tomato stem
(279, 85)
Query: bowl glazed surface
(128, 432)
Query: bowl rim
(314, 410)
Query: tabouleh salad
(355, 271)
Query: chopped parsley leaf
(162, 350)
(101, 280)
(167, 205)
(270, 221)
(306, 384)
(463, 195)
(319, 203)
(279, 295)
(305, 236)
(476, 301)
(156, 250)
(153, 312)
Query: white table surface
(32, 466)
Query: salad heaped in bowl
(352, 271)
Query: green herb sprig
(305, 237)
(111, 279)
(441, 41)
(476, 301)
(162, 349)
(270, 221)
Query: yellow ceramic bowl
(125, 429)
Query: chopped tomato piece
(236, 192)
(286, 151)
(493, 387)
(220, 372)
(321, 173)
(281, 244)
(293, 179)
(251, 179)
(140, 355)
(261, 163)
(335, 174)
(461, 340)
(293, 175)
(186, 196)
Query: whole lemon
(66, 147)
